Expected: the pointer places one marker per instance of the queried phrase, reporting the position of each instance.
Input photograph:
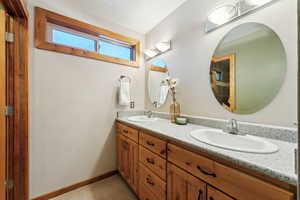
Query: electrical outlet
(132, 104)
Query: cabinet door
(128, 160)
(183, 186)
(213, 194)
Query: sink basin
(247, 143)
(142, 118)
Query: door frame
(232, 81)
(3, 104)
(17, 141)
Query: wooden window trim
(158, 69)
(42, 17)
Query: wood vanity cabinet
(127, 152)
(158, 169)
(152, 167)
(183, 186)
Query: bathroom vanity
(160, 164)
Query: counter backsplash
(261, 130)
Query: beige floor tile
(113, 188)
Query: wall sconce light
(257, 2)
(222, 14)
(163, 46)
(151, 52)
(159, 49)
(232, 10)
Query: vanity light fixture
(257, 2)
(222, 14)
(163, 46)
(232, 10)
(151, 52)
(159, 49)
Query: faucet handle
(232, 126)
(234, 123)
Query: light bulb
(151, 52)
(257, 2)
(163, 46)
(222, 14)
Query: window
(116, 50)
(58, 33)
(77, 41)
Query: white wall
(193, 48)
(73, 108)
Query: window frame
(45, 18)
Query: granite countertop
(279, 165)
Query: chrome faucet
(232, 127)
(149, 113)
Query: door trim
(2, 106)
(17, 97)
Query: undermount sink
(242, 143)
(142, 118)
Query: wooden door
(183, 186)
(128, 160)
(214, 194)
(2, 106)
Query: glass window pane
(159, 63)
(73, 40)
(115, 50)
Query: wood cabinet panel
(153, 162)
(129, 132)
(213, 194)
(233, 182)
(152, 182)
(154, 144)
(188, 174)
(183, 186)
(195, 164)
(146, 194)
(128, 160)
(246, 187)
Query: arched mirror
(157, 88)
(248, 68)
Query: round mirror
(157, 87)
(248, 68)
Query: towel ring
(163, 83)
(125, 77)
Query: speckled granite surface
(279, 165)
(261, 130)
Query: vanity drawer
(128, 132)
(145, 194)
(154, 144)
(243, 186)
(153, 162)
(236, 183)
(195, 164)
(213, 194)
(151, 182)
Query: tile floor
(113, 188)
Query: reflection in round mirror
(157, 86)
(248, 68)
